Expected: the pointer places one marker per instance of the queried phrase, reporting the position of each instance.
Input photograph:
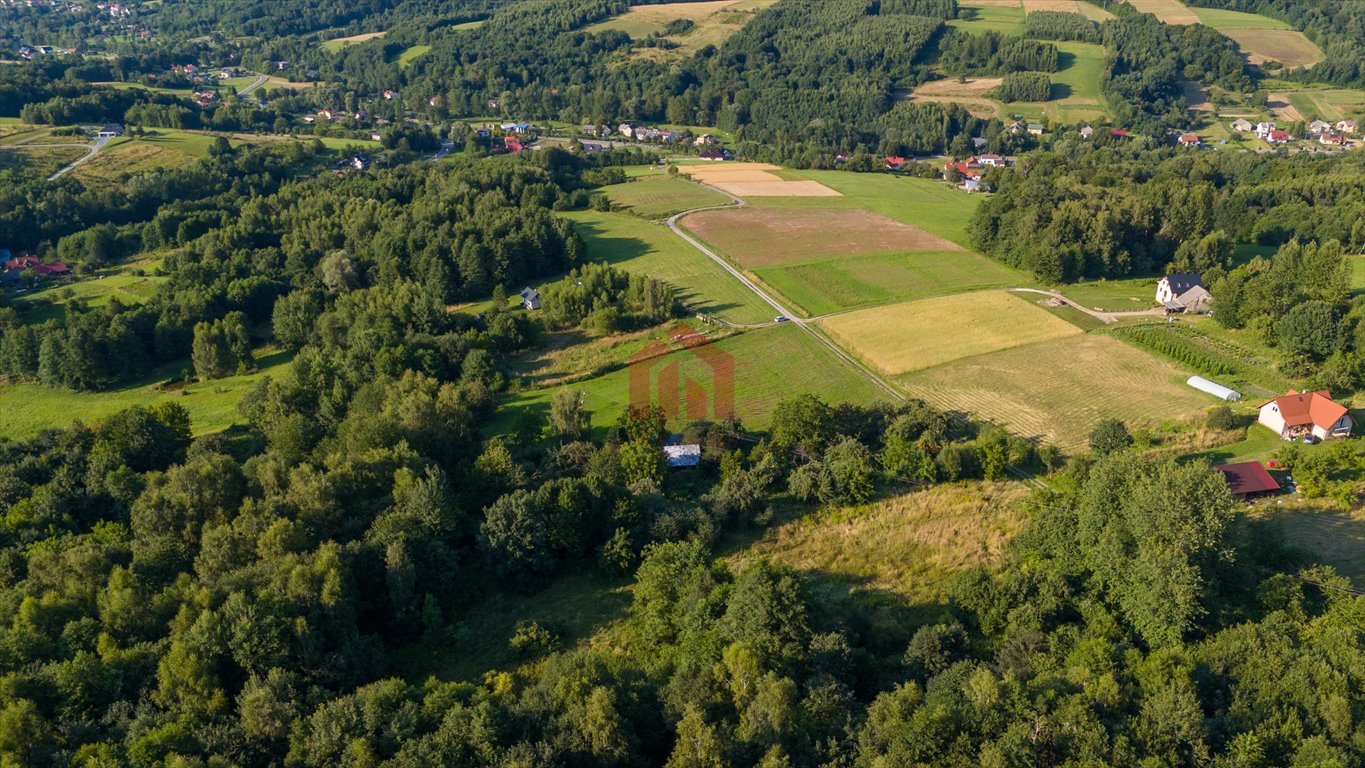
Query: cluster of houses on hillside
(12, 269)
(972, 170)
(634, 133)
(1328, 134)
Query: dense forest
(1127, 209)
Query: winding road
(260, 81)
(91, 148)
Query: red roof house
(1299, 414)
(1277, 137)
(1188, 140)
(894, 163)
(1248, 478)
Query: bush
(1222, 417)
(531, 639)
(1109, 435)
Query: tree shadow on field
(1316, 533)
(1058, 91)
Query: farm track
(1098, 314)
(93, 148)
(804, 325)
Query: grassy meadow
(928, 204)
(27, 409)
(770, 364)
(659, 196)
(1005, 20)
(649, 248)
(830, 285)
(1058, 389)
(900, 338)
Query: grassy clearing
(1356, 264)
(1006, 21)
(337, 43)
(574, 605)
(26, 409)
(660, 196)
(1113, 295)
(127, 288)
(1058, 389)
(713, 22)
(933, 206)
(162, 148)
(820, 287)
(1076, 87)
(568, 356)
(901, 338)
(33, 163)
(651, 249)
(909, 545)
(410, 53)
(770, 365)
(1325, 534)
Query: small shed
(1248, 479)
(684, 455)
(1213, 388)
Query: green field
(1326, 103)
(1006, 21)
(770, 365)
(337, 43)
(26, 409)
(129, 289)
(829, 285)
(406, 58)
(931, 205)
(660, 196)
(1113, 295)
(1221, 20)
(35, 163)
(651, 249)
(159, 148)
(1058, 389)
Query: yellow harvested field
(1056, 390)
(989, 3)
(1288, 46)
(1061, 6)
(662, 13)
(778, 188)
(900, 338)
(948, 86)
(1279, 106)
(755, 180)
(1169, 11)
(359, 38)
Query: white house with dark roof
(530, 298)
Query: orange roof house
(1298, 414)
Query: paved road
(260, 81)
(99, 142)
(804, 325)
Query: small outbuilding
(530, 298)
(1213, 388)
(683, 455)
(1248, 479)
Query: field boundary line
(769, 300)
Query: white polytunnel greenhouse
(1213, 388)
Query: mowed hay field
(1169, 11)
(337, 43)
(830, 285)
(754, 180)
(657, 197)
(909, 544)
(1006, 18)
(1287, 46)
(646, 248)
(901, 338)
(1327, 103)
(1058, 389)
(1090, 11)
(770, 364)
(761, 237)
